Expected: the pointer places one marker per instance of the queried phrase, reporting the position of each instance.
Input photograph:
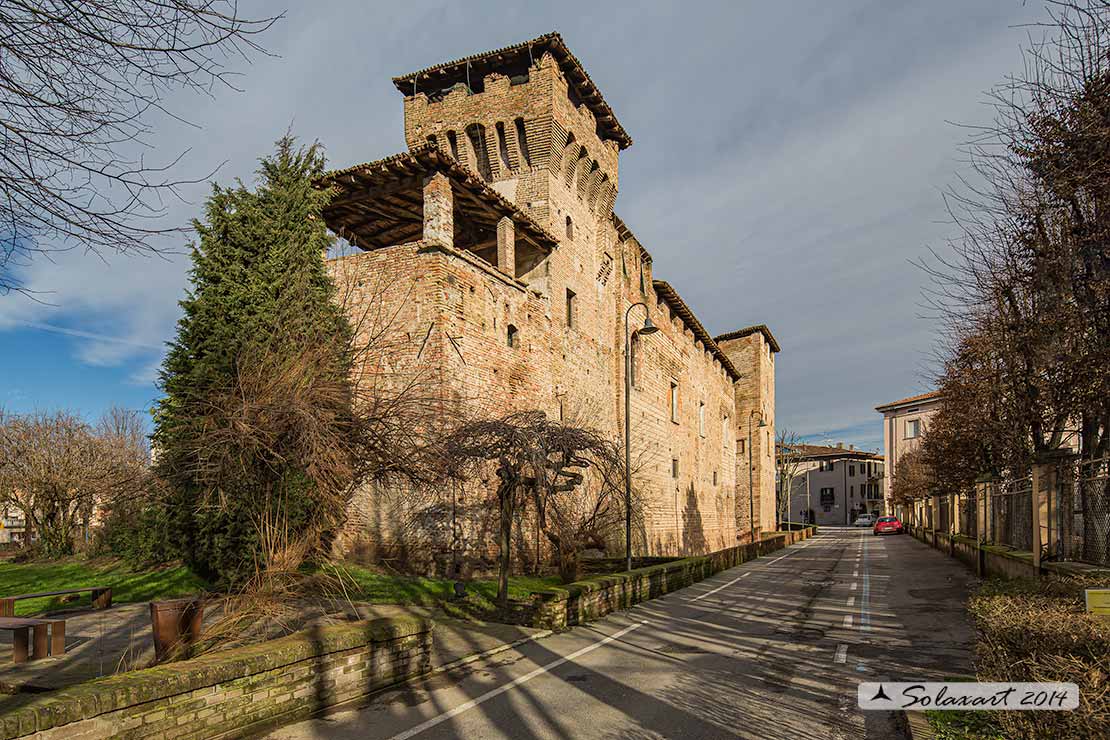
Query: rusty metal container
(176, 623)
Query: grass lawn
(133, 585)
(380, 588)
(127, 583)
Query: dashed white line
(512, 684)
(853, 586)
(847, 620)
(851, 601)
(841, 654)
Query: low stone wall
(230, 693)
(584, 601)
(998, 561)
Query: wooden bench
(21, 629)
(101, 598)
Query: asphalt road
(771, 649)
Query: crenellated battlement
(526, 119)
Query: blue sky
(788, 163)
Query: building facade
(831, 486)
(904, 422)
(492, 247)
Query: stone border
(593, 598)
(231, 692)
(997, 560)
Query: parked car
(864, 520)
(888, 525)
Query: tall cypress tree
(260, 294)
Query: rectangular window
(571, 295)
(701, 418)
(714, 477)
(674, 467)
(743, 444)
(851, 471)
(674, 401)
(828, 497)
(913, 428)
(852, 491)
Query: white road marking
(855, 573)
(851, 601)
(853, 588)
(865, 599)
(847, 620)
(710, 593)
(428, 724)
(841, 654)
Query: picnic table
(21, 629)
(101, 598)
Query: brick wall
(231, 693)
(565, 177)
(754, 394)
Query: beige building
(904, 422)
(832, 485)
(493, 247)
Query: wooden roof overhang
(381, 203)
(671, 297)
(521, 56)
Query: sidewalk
(103, 642)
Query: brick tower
(529, 120)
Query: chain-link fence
(1011, 514)
(968, 522)
(1078, 512)
(943, 519)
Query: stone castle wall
(456, 311)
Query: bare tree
(541, 462)
(57, 470)
(1024, 292)
(912, 479)
(80, 81)
(788, 462)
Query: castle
(508, 276)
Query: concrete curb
(917, 726)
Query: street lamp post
(751, 489)
(648, 328)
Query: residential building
(832, 485)
(12, 526)
(904, 423)
(493, 247)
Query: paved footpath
(771, 649)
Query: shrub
(138, 532)
(1039, 631)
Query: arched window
(432, 140)
(476, 132)
(503, 149)
(522, 143)
(512, 336)
(570, 228)
(453, 142)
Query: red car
(888, 525)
